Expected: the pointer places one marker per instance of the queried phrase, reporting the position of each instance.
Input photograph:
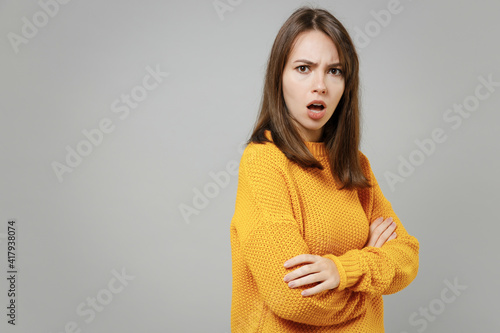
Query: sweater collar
(317, 149)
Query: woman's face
(312, 75)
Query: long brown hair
(341, 133)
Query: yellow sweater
(283, 210)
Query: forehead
(315, 46)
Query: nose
(319, 85)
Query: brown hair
(341, 132)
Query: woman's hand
(319, 269)
(381, 231)
(324, 270)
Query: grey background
(120, 208)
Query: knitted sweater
(283, 210)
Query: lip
(317, 101)
(316, 115)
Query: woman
(314, 242)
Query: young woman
(315, 244)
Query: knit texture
(283, 210)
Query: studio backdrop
(122, 126)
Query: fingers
(314, 290)
(302, 271)
(376, 223)
(380, 231)
(393, 236)
(374, 232)
(301, 258)
(322, 271)
(384, 236)
(311, 278)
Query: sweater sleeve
(270, 235)
(385, 270)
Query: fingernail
(285, 264)
(285, 279)
(393, 224)
(390, 218)
(291, 284)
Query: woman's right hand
(381, 231)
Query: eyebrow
(308, 62)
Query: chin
(314, 125)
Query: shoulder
(265, 155)
(263, 167)
(366, 167)
(365, 163)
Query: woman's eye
(302, 69)
(305, 69)
(336, 71)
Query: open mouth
(316, 107)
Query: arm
(270, 235)
(385, 270)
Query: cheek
(291, 90)
(337, 90)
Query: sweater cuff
(348, 267)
